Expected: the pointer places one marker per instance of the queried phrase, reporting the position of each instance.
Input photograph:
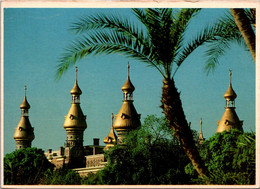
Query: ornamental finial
(128, 68)
(25, 88)
(76, 70)
(230, 73)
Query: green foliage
(61, 176)
(25, 166)
(150, 155)
(93, 179)
(230, 158)
(154, 38)
(225, 33)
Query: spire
(111, 138)
(76, 72)
(201, 138)
(128, 87)
(230, 73)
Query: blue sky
(34, 40)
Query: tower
(23, 133)
(127, 118)
(75, 124)
(201, 139)
(229, 119)
(111, 138)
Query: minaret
(75, 124)
(229, 119)
(111, 138)
(23, 133)
(201, 139)
(127, 118)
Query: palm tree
(226, 31)
(157, 40)
(244, 26)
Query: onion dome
(76, 90)
(230, 94)
(25, 104)
(128, 87)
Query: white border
(131, 4)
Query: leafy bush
(230, 158)
(25, 166)
(61, 176)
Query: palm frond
(155, 40)
(224, 37)
(206, 35)
(250, 13)
(219, 36)
(102, 42)
(215, 51)
(98, 21)
(141, 15)
(181, 22)
(110, 22)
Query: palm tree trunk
(245, 28)
(172, 108)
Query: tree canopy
(25, 166)
(29, 166)
(151, 155)
(230, 158)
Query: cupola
(24, 132)
(128, 88)
(127, 118)
(230, 95)
(229, 119)
(75, 120)
(76, 91)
